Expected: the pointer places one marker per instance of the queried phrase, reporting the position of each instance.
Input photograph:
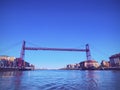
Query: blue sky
(60, 23)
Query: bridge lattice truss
(22, 54)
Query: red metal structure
(21, 60)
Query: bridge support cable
(9, 48)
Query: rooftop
(115, 55)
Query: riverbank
(16, 69)
(102, 68)
(29, 68)
(9, 69)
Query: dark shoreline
(9, 69)
(110, 68)
(17, 69)
(13, 69)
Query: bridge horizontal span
(55, 49)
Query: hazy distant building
(70, 66)
(77, 66)
(73, 66)
(115, 60)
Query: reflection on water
(10, 74)
(60, 80)
(10, 80)
(90, 80)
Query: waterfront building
(73, 66)
(89, 64)
(4, 57)
(2, 63)
(115, 60)
(6, 61)
(12, 63)
(27, 64)
(77, 66)
(32, 67)
(105, 63)
(70, 66)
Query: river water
(60, 80)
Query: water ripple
(60, 80)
